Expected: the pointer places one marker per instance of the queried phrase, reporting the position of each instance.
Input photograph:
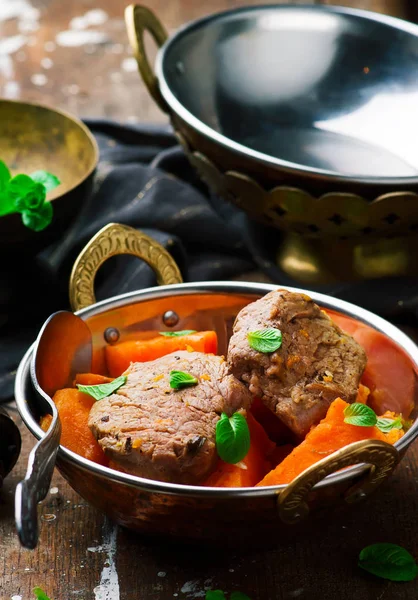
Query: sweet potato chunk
(330, 435)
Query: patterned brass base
(316, 261)
(337, 236)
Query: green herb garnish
(388, 561)
(385, 425)
(177, 333)
(40, 594)
(49, 181)
(98, 392)
(215, 595)
(363, 416)
(220, 595)
(26, 194)
(360, 414)
(5, 176)
(179, 380)
(232, 438)
(265, 340)
(39, 219)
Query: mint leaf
(265, 340)
(49, 181)
(385, 425)
(33, 200)
(232, 438)
(38, 219)
(215, 595)
(98, 392)
(25, 193)
(219, 595)
(179, 380)
(177, 333)
(388, 561)
(40, 594)
(5, 176)
(360, 414)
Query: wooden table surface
(74, 54)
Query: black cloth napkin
(144, 180)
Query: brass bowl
(192, 512)
(34, 137)
(302, 116)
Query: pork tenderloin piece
(316, 363)
(151, 430)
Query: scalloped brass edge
(289, 207)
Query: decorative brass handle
(110, 241)
(292, 502)
(139, 19)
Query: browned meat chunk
(151, 430)
(316, 363)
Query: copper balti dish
(193, 512)
(305, 118)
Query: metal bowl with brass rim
(193, 512)
(304, 117)
(34, 137)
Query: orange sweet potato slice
(120, 356)
(74, 408)
(91, 379)
(330, 435)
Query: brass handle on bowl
(383, 458)
(139, 19)
(110, 241)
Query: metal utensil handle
(110, 241)
(292, 502)
(139, 19)
(35, 486)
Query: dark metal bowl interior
(331, 90)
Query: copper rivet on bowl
(170, 318)
(111, 335)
